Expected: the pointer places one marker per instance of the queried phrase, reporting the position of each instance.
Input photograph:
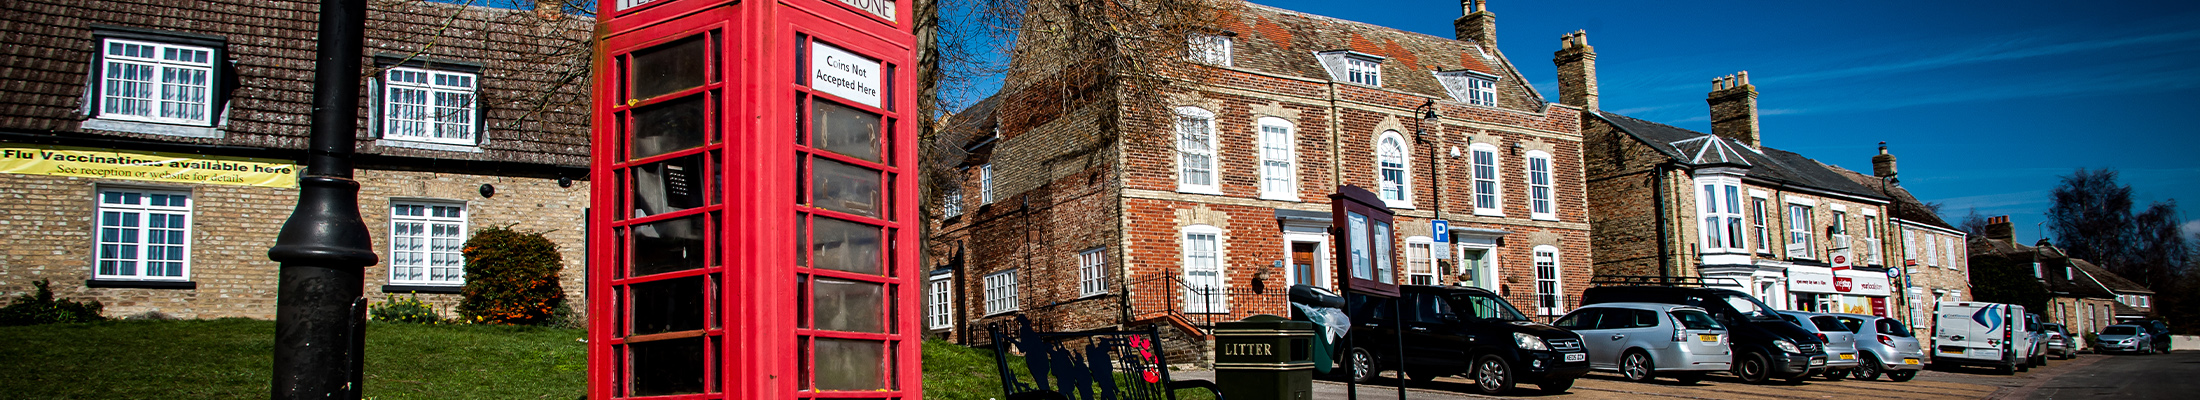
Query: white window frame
(1760, 222)
(1489, 192)
(1909, 245)
(1278, 159)
(939, 312)
(123, 234)
(1932, 251)
(1719, 216)
(1208, 48)
(1542, 197)
(1363, 71)
(951, 203)
(1549, 281)
(1195, 163)
(1092, 273)
(1841, 237)
(1000, 293)
(151, 94)
(985, 184)
(447, 111)
(1873, 240)
(1391, 149)
(415, 257)
(1204, 293)
(1420, 261)
(1801, 242)
(1481, 92)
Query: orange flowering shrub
(511, 278)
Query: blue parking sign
(1442, 229)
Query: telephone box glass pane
(844, 364)
(669, 126)
(669, 245)
(668, 366)
(845, 188)
(669, 185)
(848, 306)
(846, 246)
(668, 306)
(1362, 268)
(670, 68)
(844, 130)
(1382, 253)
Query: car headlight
(1787, 346)
(1529, 342)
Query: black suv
(1765, 345)
(1461, 330)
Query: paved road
(2162, 376)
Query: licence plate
(1910, 361)
(1952, 351)
(1577, 357)
(1848, 356)
(1708, 338)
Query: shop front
(1851, 291)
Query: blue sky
(1986, 104)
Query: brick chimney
(1478, 25)
(1577, 71)
(1998, 228)
(1734, 108)
(1883, 164)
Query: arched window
(1203, 270)
(1278, 158)
(1548, 298)
(1486, 197)
(1540, 202)
(1195, 147)
(1390, 165)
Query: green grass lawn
(230, 359)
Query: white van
(1983, 334)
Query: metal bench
(1117, 365)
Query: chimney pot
(1883, 164)
(1478, 25)
(1577, 71)
(1734, 109)
(1999, 228)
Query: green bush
(511, 278)
(40, 308)
(408, 310)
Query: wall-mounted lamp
(488, 190)
(565, 182)
(1454, 151)
(1517, 147)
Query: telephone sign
(754, 233)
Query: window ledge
(1544, 217)
(123, 284)
(1293, 199)
(1199, 190)
(151, 128)
(391, 142)
(1488, 213)
(1399, 204)
(422, 289)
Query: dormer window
(1353, 66)
(1469, 86)
(1208, 48)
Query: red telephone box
(754, 234)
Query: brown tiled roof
(2114, 282)
(1280, 41)
(1906, 206)
(533, 84)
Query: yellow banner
(86, 162)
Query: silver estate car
(1883, 346)
(2123, 338)
(1644, 340)
(1840, 342)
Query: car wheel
(1363, 365)
(1753, 368)
(1636, 366)
(1901, 376)
(1556, 386)
(2005, 368)
(2025, 365)
(1688, 378)
(1492, 375)
(1868, 368)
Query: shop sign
(97, 163)
(845, 74)
(1810, 279)
(1863, 283)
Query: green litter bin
(1265, 357)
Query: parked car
(1883, 346)
(1643, 341)
(1980, 333)
(2125, 338)
(1452, 330)
(2159, 332)
(2036, 328)
(2059, 343)
(1764, 345)
(1840, 341)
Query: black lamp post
(320, 315)
(1427, 115)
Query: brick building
(1933, 265)
(1666, 201)
(2079, 293)
(181, 123)
(1085, 207)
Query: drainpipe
(1657, 194)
